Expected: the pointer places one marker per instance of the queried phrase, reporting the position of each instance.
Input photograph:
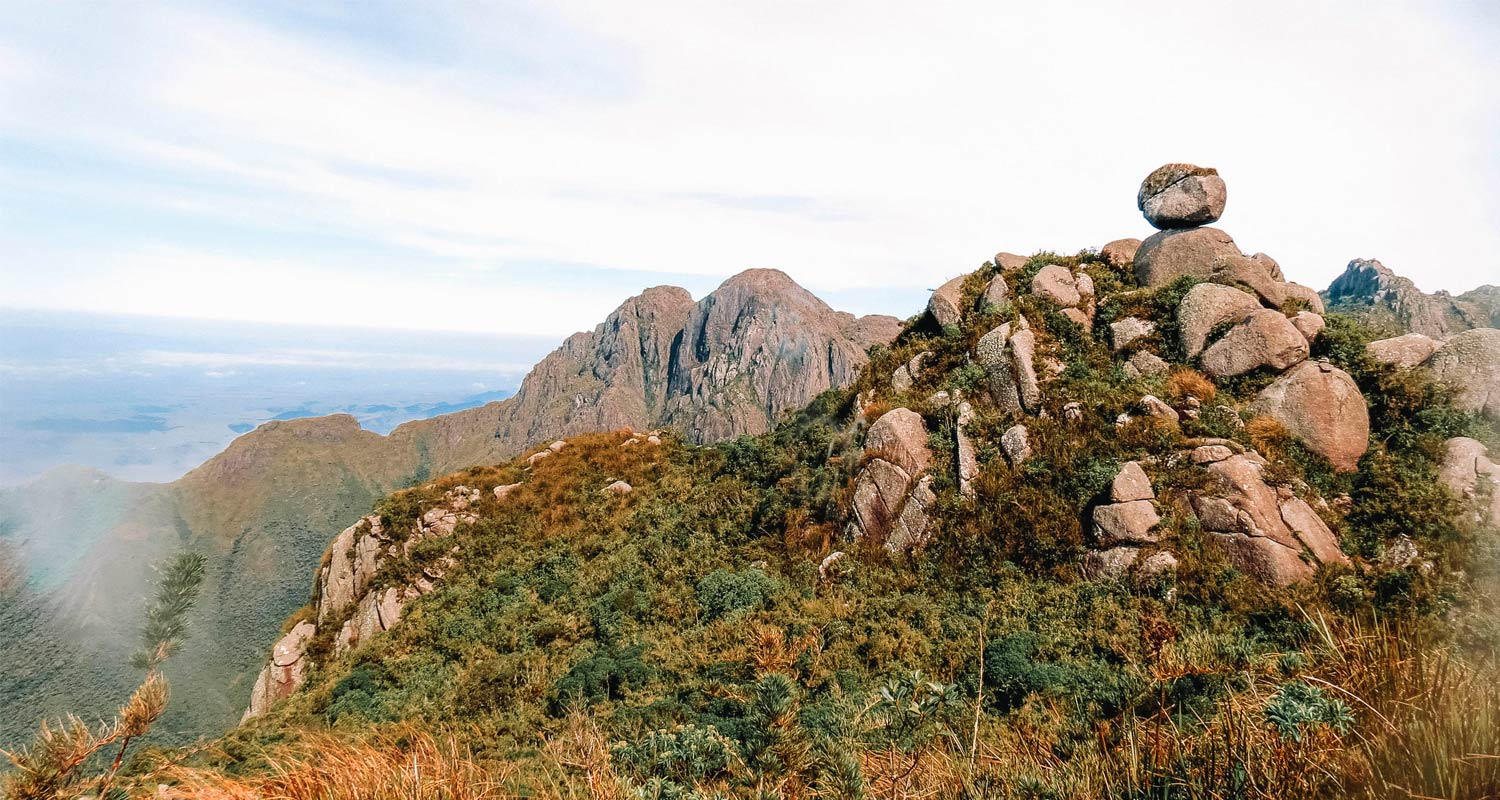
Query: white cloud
(854, 145)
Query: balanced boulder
(1182, 196)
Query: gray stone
(944, 303)
(1402, 351)
(1182, 196)
(1264, 338)
(913, 525)
(1023, 362)
(900, 437)
(1469, 362)
(1127, 330)
(968, 458)
(1153, 406)
(1321, 405)
(1205, 307)
(1057, 283)
(992, 353)
(1109, 565)
(1308, 324)
(1145, 364)
(1121, 252)
(1016, 442)
(1126, 523)
(996, 294)
(1009, 262)
(1130, 484)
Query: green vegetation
(678, 641)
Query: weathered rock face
(1182, 196)
(1171, 254)
(1016, 442)
(1321, 405)
(1374, 292)
(1470, 363)
(1205, 307)
(891, 495)
(1264, 531)
(997, 293)
(756, 348)
(1057, 284)
(1131, 484)
(900, 437)
(1470, 476)
(1009, 362)
(1009, 262)
(967, 455)
(1402, 351)
(1309, 324)
(1128, 330)
(1264, 338)
(1125, 523)
(285, 672)
(944, 303)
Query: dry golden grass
(407, 764)
(1268, 436)
(1183, 383)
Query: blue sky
(521, 167)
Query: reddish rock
(1264, 338)
(1182, 196)
(1321, 405)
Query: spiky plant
(51, 766)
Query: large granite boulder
(1469, 362)
(1321, 405)
(1126, 523)
(900, 437)
(1205, 307)
(1058, 284)
(1182, 196)
(944, 303)
(1264, 338)
(1171, 254)
(1404, 351)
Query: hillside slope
(1131, 523)
(263, 510)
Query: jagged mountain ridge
(265, 508)
(1375, 293)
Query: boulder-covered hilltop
(1139, 521)
(263, 509)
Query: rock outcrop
(1166, 256)
(944, 303)
(285, 671)
(1321, 405)
(1264, 530)
(1207, 306)
(1472, 477)
(891, 493)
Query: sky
(520, 168)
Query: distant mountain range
(265, 508)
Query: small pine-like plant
(51, 766)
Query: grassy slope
(679, 640)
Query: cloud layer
(522, 168)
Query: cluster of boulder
(1245, 316)
(1267, 531)
(1472, 477)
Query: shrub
(722, 593)
(686, 756)
(1298, 707)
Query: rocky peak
(758, 346)
(1383, 298)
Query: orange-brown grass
(1269, 436)
(1183, 383)
(396, 764)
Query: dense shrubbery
(678, 641)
